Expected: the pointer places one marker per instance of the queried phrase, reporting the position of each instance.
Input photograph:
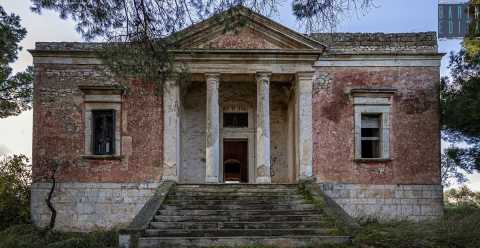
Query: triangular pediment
(245, 30)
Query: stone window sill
(372, 160)
(102, 157)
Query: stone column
(303, 104)
(263, 128)
(212, 165)
(171, 130)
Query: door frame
(243, 135)
(247, 159)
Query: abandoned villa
(356, 114)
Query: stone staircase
(238, 215)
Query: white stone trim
(374, 105)
(103, 98)
(212, 165)
(104, 104)
(171, 129)
(379, 61)
(304, 88)
(263, 165)
(247, 133)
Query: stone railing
(312, 192)
(128, 237)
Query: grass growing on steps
(319, 203)
(458, 228)
(28, 236)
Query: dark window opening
(235, 120)
(103, 126)
(370, 136)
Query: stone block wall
(90, 206)
(412, 202)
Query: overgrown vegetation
(460, 104)
(459, 228)
(15, 89)
(14, 191)
(27, 236)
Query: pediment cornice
(246, 26)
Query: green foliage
(28, 236)
(15, 90)
(326, 13)
(14, 191)
(462, 197)
(471, 42)
(460, 103)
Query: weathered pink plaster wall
(414, 134)
(58, 127)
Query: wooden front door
(235, 160)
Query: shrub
(14, 191)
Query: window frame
(102, 97)
(365, 138)
(94, 141)
(374, 105)
(235, 113)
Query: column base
(265, 180)
(211, 180)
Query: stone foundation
(90, 206)
(413, 202)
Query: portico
(272, 104)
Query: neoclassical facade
(358, 113)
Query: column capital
(212, 75)
(304, 75)
(263, 75)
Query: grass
(28, 236)
(459, 228)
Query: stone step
(236, 185)
(240, 207)
(239, 218)
(237, 232)
(271, 198)
(240, 225)
(249, 241)
(213, 212)
(237, 190)
(233, 194)
(180, 202)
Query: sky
(387, 16)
